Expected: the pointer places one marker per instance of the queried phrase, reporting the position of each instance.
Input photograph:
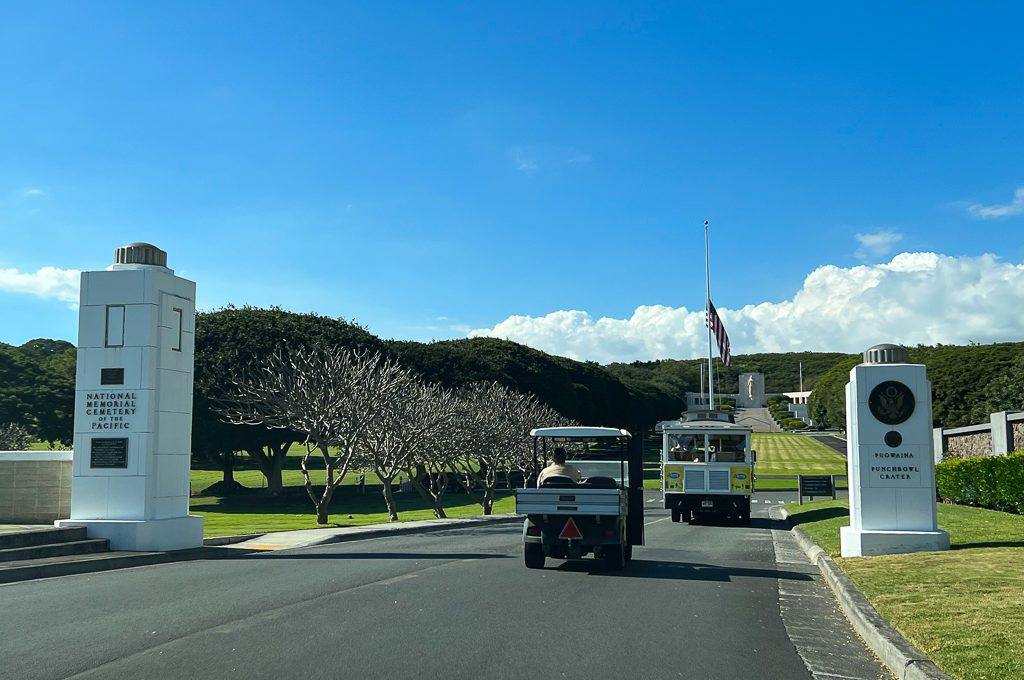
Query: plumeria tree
(332, 396)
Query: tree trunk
(275, 482)
(389, 498)
(323, 505)
(438, 509)
(488, 502)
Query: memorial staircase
(35, 550)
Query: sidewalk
(906, 661)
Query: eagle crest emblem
(891, 402)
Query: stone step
(63, 549)
(25, 570)
(41, 536)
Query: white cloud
(917, 298)
(532, 158)
(46, 282)
(877, 244)
(1014, 207)
(524, 161)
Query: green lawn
(253, 514)
(963, 607)
(795, 454)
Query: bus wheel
(533, 555)
(676, 514)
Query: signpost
(816, 485)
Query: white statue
(750, 388)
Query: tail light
(533, 531)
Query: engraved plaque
(111, 376)
(109, 453)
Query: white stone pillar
(1002, 434)
(890, 461)
(133, 404)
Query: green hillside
(968, 382)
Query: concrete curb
(906, 661)
(228, 540)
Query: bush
(996, 482)
(793, 424)
(13, 437)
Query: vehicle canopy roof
(701, 425)
(579, 432)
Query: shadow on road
(378, 556)
(685, 571)
(755, 523)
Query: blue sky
(540, 173)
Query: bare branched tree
(535, 414)
(330, 395)
(414, 415)
(494, 436)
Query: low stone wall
(976, 445)
(35, 486)
(1018, 435)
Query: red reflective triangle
(570, 530)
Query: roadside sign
(816, 485)
(570, 531)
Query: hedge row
(996, 482)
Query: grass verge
(255, 513)
(963, 607)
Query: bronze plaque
(891, 402)
(111, 376)
(109, 453)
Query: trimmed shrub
(793, 424)
(995, 482)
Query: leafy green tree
(230, 340)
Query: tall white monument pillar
(889, 457)
(133, 404)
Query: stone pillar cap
(140, 253)
(886, 354)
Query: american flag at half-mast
(714, 322)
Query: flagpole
(707, 316)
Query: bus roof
(579, 432)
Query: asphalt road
(702, 601)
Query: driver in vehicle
(559, 468)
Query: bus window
(686, 448)
(728, 448)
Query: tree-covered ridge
(37, 388)
(781, 371)
(583, 391)
(968, 383)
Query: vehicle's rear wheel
(676, 514)
(629, 553)
(614, 557)
(533, 555)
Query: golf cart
(707, 465)
(601, 514)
